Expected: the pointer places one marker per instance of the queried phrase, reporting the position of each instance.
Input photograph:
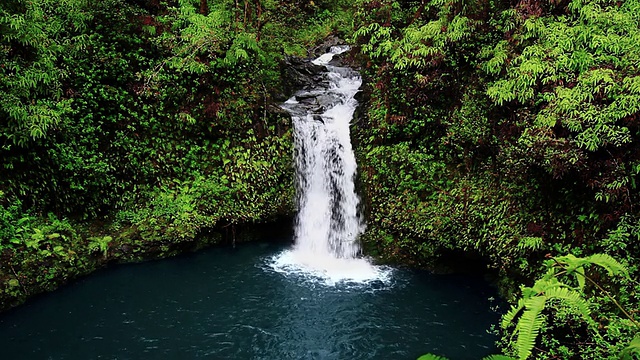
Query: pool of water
(226, 303)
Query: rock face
(317, 82)
(299, 74)
(325, 46)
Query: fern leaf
(580, 278)
(612, 266)
(513, 312)
(529, 326)
(498, 357)
(569, 262)
(530, 243)
(571, 298)
(431, 357)
(544, 285)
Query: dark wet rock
(301, 74)
(360, 97)
(325, 46)
(304, 66)
(302, 95)
(126, 249)
(298, 73)
(339, 59)
(311, 84)
(327, 100)
(308, 100)
(277, 110)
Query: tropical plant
(35, 35)
(490, 357)
(100, 243)
(552, 290)
(633, 350)
(431, 357)
(575, 79)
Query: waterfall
(328, 222)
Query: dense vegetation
(500, 130)
(130, 128)
(508, 131)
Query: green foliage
(532, 304)
(14, 225)
(530, 243)
(573, 265)
(431, 357)
(490, 357)
(508, 131)
(416, 46)
(35, 35)
(633, 350)
(155, 121)
(249, 186)
(578, 72)
(550, 293)
(100, 243)
(151, 95)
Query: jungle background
(499, 132)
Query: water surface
(226, 303)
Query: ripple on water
(258, 303)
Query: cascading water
(328, 222)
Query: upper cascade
(325, 59)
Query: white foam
(325, 59)
(329, 271)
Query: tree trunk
(204, 7)
(260, 20)
(247, 14)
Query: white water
(328, 222)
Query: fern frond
(568, 262)
(580, 277)
(543, 285)
(431, 357)
(512, 313)
(498, 357)
(612, 266)
(572, 298)
(530, 243)
(575, 266)
(529, 326)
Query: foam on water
(330, 271)
(324, 59)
